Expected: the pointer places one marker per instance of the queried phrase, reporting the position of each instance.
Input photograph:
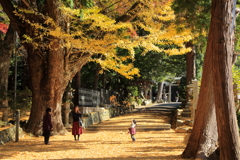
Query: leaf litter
(108, 140)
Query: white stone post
(190, 94)
(66, 106)
(192, 103)
(195, 97)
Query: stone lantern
(66, 105)
(193, 97)
(190, 95)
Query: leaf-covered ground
(106, 141)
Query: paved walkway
(168, 107)
(155, 117)
(109, 140)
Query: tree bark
(191, 63)
(48, 84)
(204, 135)
(96, 77)
(103, 80)
(131, 13)
(191, 66)
(6, 46)
(77, 85)
(220, 47)
(222, 41)
(25, 77)
(48, 81)
(159, 93)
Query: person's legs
(133, 138)
(46, 136)
(78, 137)
(75, 137)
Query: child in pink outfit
(132, 130)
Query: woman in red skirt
(76, 128)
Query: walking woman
(76, 128)
(47, 126)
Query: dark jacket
(76, 116)
(47, 122)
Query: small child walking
(132, 129)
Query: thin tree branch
(116, 8)
(103, 11)
(131, 13)
(26, 4)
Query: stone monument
(66, 106)
(193, 97)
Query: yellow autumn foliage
(92, 32)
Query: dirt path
(106, 141)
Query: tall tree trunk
(159, 93)
(222, 39)
(25, 78)
(220, 46)
(48, 81)
(191, 63)
(104, 80)
(6, 46)
(77, 85)
(48, 85)
(96, 77)
(191, 66)
(204, 135)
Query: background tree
(152, 66)
(196, 16)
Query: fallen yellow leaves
(109, 143)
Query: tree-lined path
(109, 140)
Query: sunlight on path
(106, 141)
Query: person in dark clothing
(47, 126)
(76, 128)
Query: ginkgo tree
(61, 36)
